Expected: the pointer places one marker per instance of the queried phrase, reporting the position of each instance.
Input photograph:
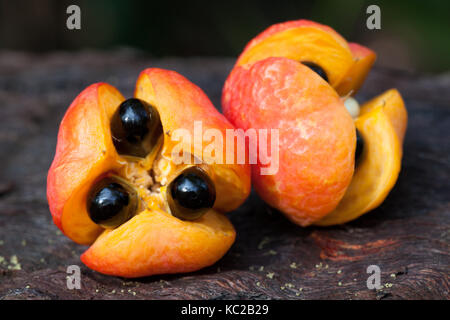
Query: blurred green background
(414, 35)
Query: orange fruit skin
(79, 155)
(353, 80)
(302, 40)
(316, 135)
(153, 241)
(55, 194)
(58, 189)
(393, 106)
(280, 27)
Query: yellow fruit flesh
(305, 44)
(382, 124)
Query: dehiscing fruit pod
(114, 183)
(296, 77)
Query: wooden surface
(407, 237)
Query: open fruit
(295, 77)
(116, 182)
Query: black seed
(136, 128)
(359, 146)
(110, 203)
(317, 69)
(192, 193)
(134, 117)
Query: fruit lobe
(302, 40)
(84, 151)
(354, 78)
(382, 124)
(283, 94)
(154, 242)
(392, 103)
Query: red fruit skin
(316, 135)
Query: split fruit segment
(382, 124)
(117, 183)
(296, 77)
(345, 65)
(364, 58)
(303, 41)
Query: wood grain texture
(408, 237)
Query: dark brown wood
(408, 237)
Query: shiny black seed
(359, 146)
(136, 128)
(317, 69)
(191, 191)
(191, 194)
(134, 117)
(110, 203)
